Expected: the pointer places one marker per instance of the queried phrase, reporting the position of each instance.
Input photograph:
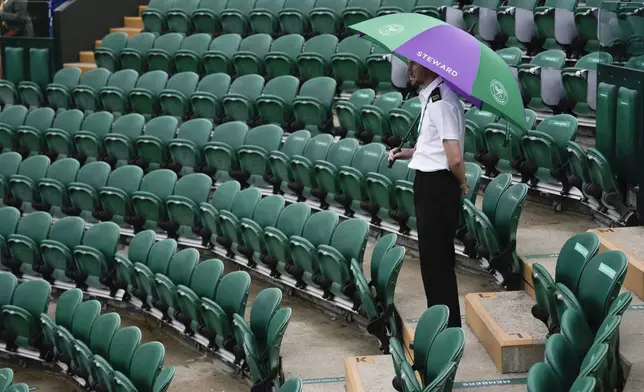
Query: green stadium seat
(405, 212)
(56, 249)
(580, 82)
(326, 17)
(135, 53)
(379, 69)
(89, 140)
(240, 101)
(14, 73)
(250, 233)
(137, 252)
(568, 365)
(179, 272)
(443, 358)
(302, 166)
(59, 136)
(183, 205)
(145, 372)
(502, 142)
(66, 305)
(349, 63)
(8, 228)
(348, 112)
(23, 184)
(541, 378)
(294, 17)
(314, 103)
(206, 100)
(234, 19)
(434, 8)
(115, 95)
(53, 188)
(186, 150)
(203, 284)
(149, 200)
(152, 146)
(124, 344)
(576, 252)
(380, 188)
(59, 91)
(31, 135)
(253, 154)
(100, 337)
(280, 173)
(206, 18)
(480, 18)
(512, 57)
(6, 378)
(161, 56)
(230, 299)
(276, 238)
(584, 384)
(282, 56)
(540, 80)
(327, 171)
(221, 151)
(249, 58)
(222, 199)
(517, 28)
(24, 245)
(315, 60)
(189, 57)
(275, 105)
(353, 177)
(9, 163)
(179, 16)
(175, 98)
(627, 119)
(86, 92)
(473, 174)
(82, 320)
(108, 54)
(22, 317)
(229, 221)
(158, 261)
(586, 21)
(95, 256)
(375, 117)
(11, 119)
(395, 6)
(219, 56)
(606, 120)
(154, 17)
(400, 119)
(31, 92)
(119, 144)
(358, 11)
(83, 194)
(545, 150)
(263, 19)
(476, 121)
(578, 164)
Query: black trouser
(437, 198)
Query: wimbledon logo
(391, 29)
(499, 93)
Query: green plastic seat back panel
(562, 128)
(8, 284)
(14, 116)
(182, 266)
(323, 45)
(102, 333)
(206, 277)
(124, 344)
(322, 89)
(64, 170)
(342, 152)
(226, 44)
(576, 329)
(384, 244)
(160, 183)
(259, 44)
(131, 125)
(319, 228)
(126, 178)
(264, 307)
(292, 219)
(41, 119)
(511, 56)
(84, 318)
(68, 231)
(153, 81)
(196, 130)
(124, 80)
(573, 257)
(268, 210)
(605, 136)
(140, 246)
(294, 143)
(160, 256)
(318, 147)
(34, 167)
(268, 137)
(245, 203)
(290, 45)
(169, 43)
(68, 77)
(9, 163)
(216, 84)
(628, 120)
(32, 296)
(15, 72)
(550, 59)
(350, 238)
(35, 226)
(163, 127)
(447, 347)
(141, 42)
(432, 322)
(147, 362)
(291, 385)
(368, 158)
(195, 187)
(493, 193)
(285, 87)
(9, 218)
(541, 377)
(249, 86)
(225, 195)
(99, 123)
(104, 237)
(69, 121)
(231, 133)
(94, 174)
(183, 82)
(95, 78)
(506, 218)
(197, 43)
(232, 292)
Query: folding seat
(378, 65)
(179, 272)
(31, 135)
(186, 150)
(541, 377)
(480, 18)
(282, 57)
(512, 57)
(189, 57)
(349, 63)
(587, 21)
(253, 154)
(203, 284)
(86, 92)
(21, 387)
(6, 378)
(108, 54)
(540, 80)
(317, 231)
(240, 102)
(263, 18)
(59, 136)
(266, 371)
(280, 173)
(56, 249)
(395, 6)
(119, 144)
(175, 98)
(221, 151)
(152, 146)
(302, 166)
(229, 221)
(276, 238)
(88, 142)
(567, 365)
(294, 17)
(222, 199)
(23, 185)
(59, 91)
(137, 252)
(375, 117)
(327, 171)
(95, 256)
(439, 9)
(183, 206)
(30, 92)
(545, 150)
(555, 23)
(230, 298)
(353, 177)
(219, 56)
(149, 200)
(249, 59)
(98, 343)
(9, 284)
(10, 217)
(115, 95)
(348, 112)
(251, 241)
(476, 121)
(145, 372)
(116, 195)
(314, 103)
(234, 19)
(157, 262)
(326, 17)
(53, 188)
(576, 252)
(9, 164)
(124, 344)
(14, 73)
(206, 100)
(11, 118)
(380, 188)
(580, 82)
(358, 11)
(206, 18)
(578, 165)
(22, 317)
(274, 106)
(154, 17)
(179, 16)
(83, 194)
(161, 56)
(516, 23)
(315, 60)
(502, 142)
(135, 53)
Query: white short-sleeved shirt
(442, 119)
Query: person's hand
(395, 153)
(465, 189)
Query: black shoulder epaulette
(436, 94)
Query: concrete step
(84, 67)
(98, 43)
(142, 8)
(130, 31)
(87, 57)
(133, 22)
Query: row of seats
(7, 384)
(91, 345)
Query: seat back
(227, 44)
(292, 219)
(563, 359)
(159, 182)
(68, 231)
(160, 256)
(40, 118)
(216, 84)
(183, 82)
(182, 266)
(8, 284)
(34, 167)
(493, 193)
(94, 174)
(32, 296)
(324, 45)
(506, 219)
(388, 101)
(541, 377)
(9, 163)
(95, 78)
(285, 87)
(322, 89)
(206, 277)
(197, 43)
(319, 228)
(141, 42)
(258, 44)
(68, 77)
(162, 127)
(364, 96)
(481, 118)
(126, 178)
(264, 308)
(104, 237)
(35, 226)
(561, 127)
(225, 195)
(153, 81)
(69, 121)
(84, 318)
(290, 45)
(9, 216)
(249, 86)
(147, 362)
(169, 43)
(388, 274)
(140, 245)
(14, 116)
(384, 244)
(232, 292)
(124, 344)
(368, 158)
(573, 257)
(195, 186)
(268, 210)
(550, 59)
(124, 80)
(342, 152)
(98, 123)
(292, 385)
(131, 125)
(447, 347)
(64, 170)
(268, 137)
(102, 333)
(576, 329)
(196, 130)
(350, 239)
(318, 147)
(432, 322)
(245, 203)
(293, 145)
(591, 60)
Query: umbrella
(472, 69)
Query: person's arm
(446, 120)
(19, 12)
